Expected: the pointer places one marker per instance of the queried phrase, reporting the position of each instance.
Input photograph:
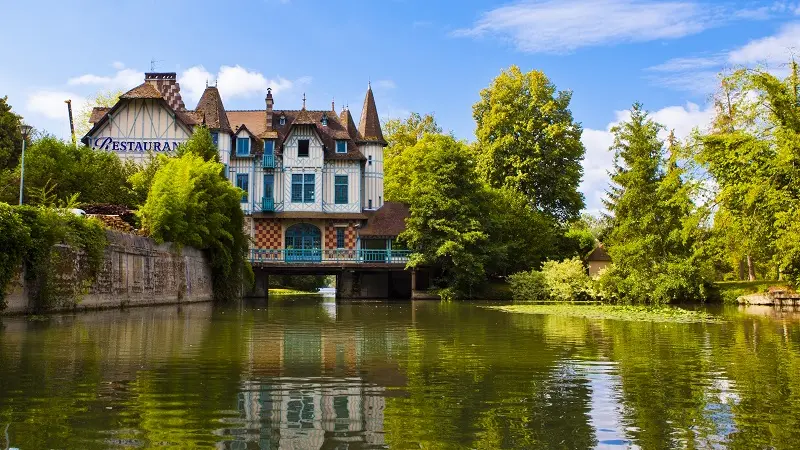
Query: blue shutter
(243, 146)
(242, 182)
(308, 188)
(339, 237)
(340, 189)
(297, 188)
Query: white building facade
(312, 179)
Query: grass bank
(729, 291)
(613, 312)
(282, 291)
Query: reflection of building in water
(297, 413)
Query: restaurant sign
(135, 145)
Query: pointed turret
(210, 105)
(370, 125)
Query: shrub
(564, 281)
(29, 236)
(529, 286)
(567, 280)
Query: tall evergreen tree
(652, 238)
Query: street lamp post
(25, 130)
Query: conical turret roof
(370, 124)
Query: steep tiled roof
(388, 221)
(370, 124)
(598, 254)
(256, 124)
(212, 111)
(97, 113)
(144, 90)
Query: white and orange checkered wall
(270, 233)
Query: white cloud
(555, 26)
(385, 84)
(690, 63)
(117, 65)
(233, 81)
(599, 159)
(772, 50)
(124, 79)
(50, 104)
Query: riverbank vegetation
(29, 239)
(634, 313)
(723, 204)
(190, 202)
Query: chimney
(167, 85)
(269, 108)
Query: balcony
(331, 256)
(267, 204)
(268, 161)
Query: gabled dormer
(245, 143)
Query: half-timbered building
(311, 179)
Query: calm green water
(305, 374)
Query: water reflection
(305, 373)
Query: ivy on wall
(30, 238)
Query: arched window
(303, 243)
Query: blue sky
(424, 56)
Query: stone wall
(136, 271)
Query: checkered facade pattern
(349, 234)
(269, 234)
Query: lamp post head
(25, 129)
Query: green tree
(10, 136)
(654, 226)
(64, 170)
(191, 203)
(528, 140)
(399, 167)
(445, 227)
(102, 99)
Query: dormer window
(341, 146)
(269, 147)
(283, 120)
(324, 120)
(243, 146)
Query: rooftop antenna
(153, 62)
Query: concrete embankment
(135, 271)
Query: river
(304, 373)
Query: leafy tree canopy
(528, 140)
(10, 136)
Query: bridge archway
(303, 243)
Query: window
(269, 147)
(324, 121)
(340, 189)
(341, 146)
(283, 120)
(269, 185)
(215, 138)
(339, 237)
(242, 183)
(370, 160)
(302, 148)
(243, 146)
(303, 188)
(370, 204)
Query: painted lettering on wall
(135, 146)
